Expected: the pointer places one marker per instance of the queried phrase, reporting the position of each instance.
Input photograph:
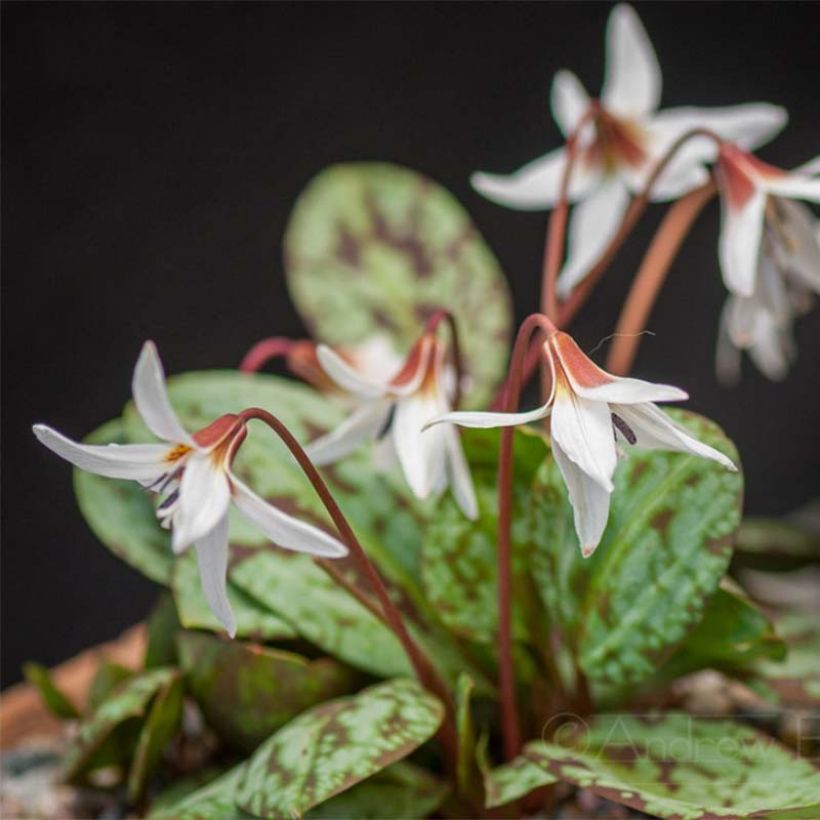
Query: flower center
(617, 143)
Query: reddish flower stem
(651, 275)
(510, 726)
(263, 351)
(425, 670)
(581, 293)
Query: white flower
(623, 139)
(192, 476)
(393, 411)
(591, 415)
(770, 258)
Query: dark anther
(623, 428)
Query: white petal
(461, 481)
(593, 224)
(385, 458)
(632, 87)
(377, 359)
(485, 420)
(808, 169)
(364, 424)
(204, 495)
(347, 377)
(590, 502)
(739, 244)
(631, 391)
(212, 557)
(583, 430)
(282, 529)
(141, 462)
(727, 354)
(536, 185)
(151, 398)
(795, 186)
(569, 100)
(802, 257)
(421, 454)
(654, 430)
(772, 350)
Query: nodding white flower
(392, 412)
(592, 415)
(770, 259)
(191, 474)
(623, 138)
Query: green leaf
(401, 790)
(107, 678)
(130, 700)
(466, 770)
(460, 557)
(666, 547)
(732, 635)
(121, 514)
(247, 691)
(162, 724)
(320, 611)
(215, 801)
(253, 619)
(374, 248)
(513, 780)
(162, 627)
(675, 765)
(56, 702)
(332, 747)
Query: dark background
(151, 154)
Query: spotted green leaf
(374, 248)
(330, 748)
(666, 546)
(126, 703)
(460, 557)
(157, 732)
(55, 701)
(121, 514)
(247, 691)
(678, 766)
(513, 780)
(214, 801)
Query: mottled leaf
(460, 557)
(678, 766)
(331, 747)
(130, 700)
(56, 702)
(401, 790)
(253, 619)
(666, 547)
(247, 691)
(121, 514)
(374, 248)
(157, 732)
(513, 780)
(214, 801)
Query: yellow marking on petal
(176, 453)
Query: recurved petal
(204, 495)
(535, 186)
(484, 420)
(347, 377)
(421, 454)
(593, 224)
(739, 243)
(283, 529)
(795, 186)
(632, 84)
(151, 398)
(582, 428)
(461, 482)
(212, 557)
(141, 462)
(363, 424)
(654, 430)
(590, 502)
(569, 101)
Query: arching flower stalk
(191, 475)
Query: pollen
(177, 452)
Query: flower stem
(651, 275)
(511, 729)
(636, 208)
(424, 669)
(263, 351)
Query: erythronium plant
(480, 593)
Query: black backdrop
(151, 154)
